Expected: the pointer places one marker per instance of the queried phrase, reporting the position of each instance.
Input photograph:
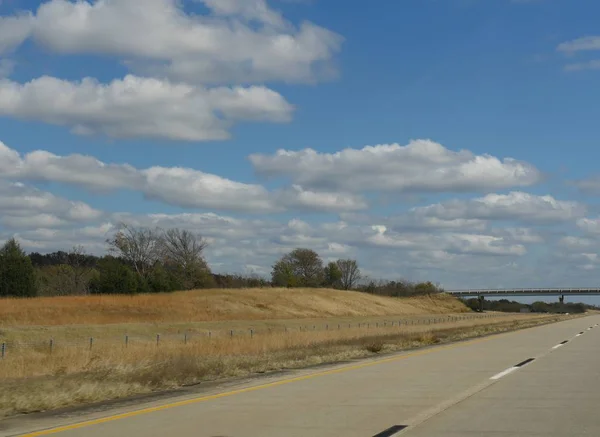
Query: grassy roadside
(216, 305)
(36, 381)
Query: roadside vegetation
(36, 379)
(143, 260)
(508, 306)
(77, 328)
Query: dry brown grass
(215, 305)
(32, 379)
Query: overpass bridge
(560, 292)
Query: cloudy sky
(446, 140)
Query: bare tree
(350, 273)
(183, 253)
(183, 248)
(81, 268)
(138, 245)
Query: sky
(446, 140)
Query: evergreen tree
(17, 276)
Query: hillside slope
(216, 305)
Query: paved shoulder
(555, 395)
(363, 400)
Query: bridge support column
(561, 299)
(481, 300)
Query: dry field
(32, 379)
(290, 329)
(215, 305)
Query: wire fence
(50, 345)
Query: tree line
(508, 306)
(145, 260)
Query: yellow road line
(257, 387)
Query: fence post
(185, 338)
(209, 334)
(126, 340)
(3, 350)
(327, 327)
(252, 333)
(157, 339)
(91, 342)
(51, 344)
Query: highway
(543, 381)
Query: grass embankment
(33, 379)
(216, 305)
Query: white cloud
(572, 243)
(6, 67)
(580, 66)
(585, 43)
(421, 166)
(241, 41)
(297, 197)
(141, 107)
(248, 9)
(589, 225)
(13, 31)
(184, 187)
(457, 259)
(513, 206)
(589, 185)
(452, 242)
(518, 235)
(25, 207)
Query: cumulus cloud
(184, 187)
(580, 66)
(25, 207)
(238, 41)
(420, 166)
(141, 107)
(296, 196)
(518, 235)
(585, 43)
(6, 67)
(589, 225)
(589, 185)
(513, 206)
(13, 31)
(573, 243)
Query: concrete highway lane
(483, 387)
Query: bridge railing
(516, 291)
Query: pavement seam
(453, 401)
(429, 414)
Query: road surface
(484, 387)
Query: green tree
(333, 275)
(426, 288)
(17, 276)
(299, 268)
(283, 275)
(114, 277)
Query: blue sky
(451, 140)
